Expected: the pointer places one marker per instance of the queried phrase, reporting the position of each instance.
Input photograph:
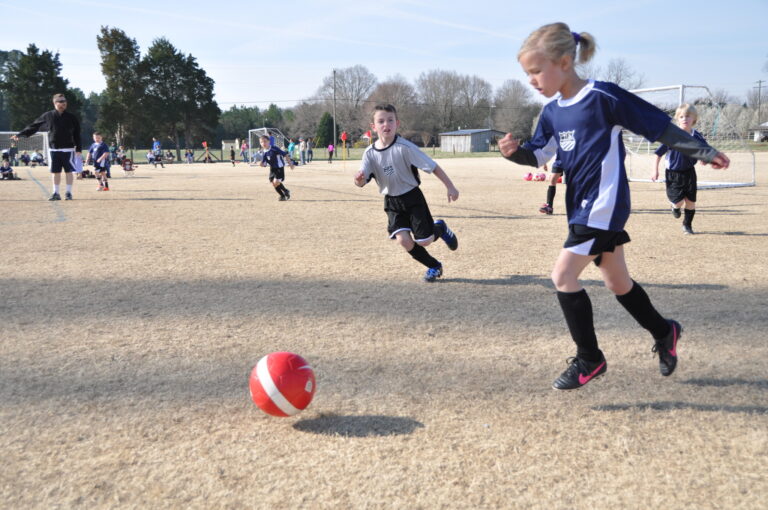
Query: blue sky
(261, 52)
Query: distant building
(761, 132)
(469, 140)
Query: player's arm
(512, 150)
(453, 193)
(679, 140)
(33, 128)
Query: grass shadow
(358, 426)
(720, 383)
(675, 406)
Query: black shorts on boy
(276, 173)
(410, 212)
(62, 160)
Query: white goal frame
(37, 142)
(723, 135)
(254, 147)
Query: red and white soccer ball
(528, 176)
(282, 384)
(540, 177)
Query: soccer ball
(528, 176)
(540, 177)
(282, 384)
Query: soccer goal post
(278, 138)
(36, 143)
(725, 127)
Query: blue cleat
(433, 273)
(446, 234)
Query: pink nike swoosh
(673, 350)
(584, 379)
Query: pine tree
(324, 134)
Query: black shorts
(410, 212)
(61, 160)
(681, 184)
(276, 173)
(584, 240)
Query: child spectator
(6, 171)
(393, 161)
(274, 157)
(330, 153)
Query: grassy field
(132, 318)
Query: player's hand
(14, 138)
(360, 179)
(655, 175)
(721, 162)
(453, 194)
(508, 145)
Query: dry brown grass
(131, 319)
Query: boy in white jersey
(394, 163)
(583, 126)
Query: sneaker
(68, 196)
(54, 196)
(448, 236)
(546, 209)
(579, 373)
(287, 194)
(676, 212)
(106, 188)
(282, 198)
(100, 188)
(666, 348)
(433, 273)
(687, 230)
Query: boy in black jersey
(274, 158)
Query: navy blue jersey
(274, 157)
(585, 132)
(96, 151)
(677, 161)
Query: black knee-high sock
(279, 190)
(688, 216)
(551, 190)
(639, 306)
(422, 255)
(577, 308)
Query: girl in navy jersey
(582, 127)
(680, 177)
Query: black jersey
(64, 129)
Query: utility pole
(334, 108)
(759, 100)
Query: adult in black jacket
(64, 142)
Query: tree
(178, 95)
(352, 86)
(306, 118)
(5, 58)
(475, 100)
(438, 92)
(514, 109)
(30, 83)
(273, 117)
(398, 92)
(118, 112)
(622, 74)
(237, 121)
(324, 135)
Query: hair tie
(576, 37)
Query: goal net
(37, 143)
(724, 126)
(274, 134)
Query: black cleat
(687, 230)
(54, 196)
(666, 348)
(579, 373)
(287, 194)
(447, 235)
(68, 196)
(676, 212)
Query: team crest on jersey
(389, 170)
(567, 140)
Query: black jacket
(64, 129)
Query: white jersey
(396, 166)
